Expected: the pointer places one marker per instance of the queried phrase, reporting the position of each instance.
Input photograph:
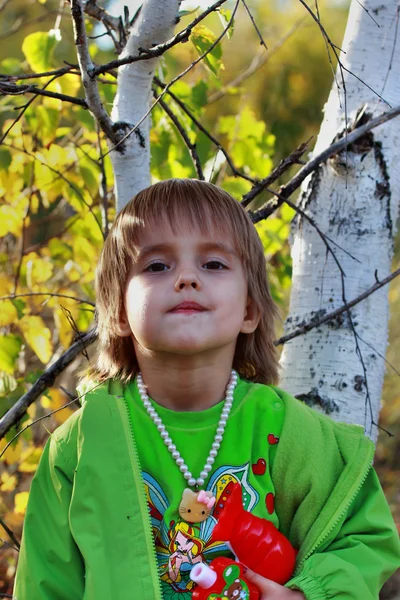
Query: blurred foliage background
(259, 104)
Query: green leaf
(5, 158)
(10, 66)
(10, 346)
(225, 16)
(202, 38)
(7, 384)
(19, 305)
(38, 49)
(199, 93)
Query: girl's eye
(214, 265)
(156, 267)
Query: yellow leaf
(64, 328)
(8, 313)
(8, 482)
(14, 520)
(13, 453)
(10, 221)
(30, 460)
(38, 336)
(21, 500)
(5, 285)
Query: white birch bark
(154, 25)
(323, 365)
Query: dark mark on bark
(314, 398)
(359, 383)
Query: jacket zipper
(336, 519)
(144, 509)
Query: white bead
(210, 459)
(222, 423)
(167, 441)
(157, 420)
(192, 482)
(203, 475)
(200, 481)
(220, 430)
(175, 454)
(215, 446)
(218, 438)
(183, 469)
(180, 461)
(172, 448)
(207, 469)
(160, 427)
(164, 434)
(213, 454)
(187, 475)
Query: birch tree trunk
(154, 25)
(358, 212)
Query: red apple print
(270, 502)
(272, 439)
(259, 467)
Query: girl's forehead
(165, 232)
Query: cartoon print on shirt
(181, 544)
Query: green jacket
(87, 504)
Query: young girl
(181, 399)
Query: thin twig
(177, 78)
(45, 381)
(335, 313)
(288, 189)
(160, 49)
(260, 59)
(80, 300)
(191, 147)
(10, 533)
(201, 128)
(86, 67)
(255, 25)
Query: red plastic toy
(223, 579)
(256, 542)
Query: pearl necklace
(196, 483)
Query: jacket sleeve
(50, 566)
(363, 555)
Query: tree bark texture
(354, 198)
(154, 25)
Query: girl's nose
(187, 279)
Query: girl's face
(172, 270)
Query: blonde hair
(201, 206)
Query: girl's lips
(188, 307)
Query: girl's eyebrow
(164, 247)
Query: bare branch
(255, 25)
(283, 166)
(10, 533)
(288, 189)
(201, 127)
(52, 294)
(335, 313)
(177, 78)
(148, 53)
(45, 381)
(86, 67)
(100, 14)
(12, 89)
(69, 69)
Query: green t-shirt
(246, 454)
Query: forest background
(56, 195)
